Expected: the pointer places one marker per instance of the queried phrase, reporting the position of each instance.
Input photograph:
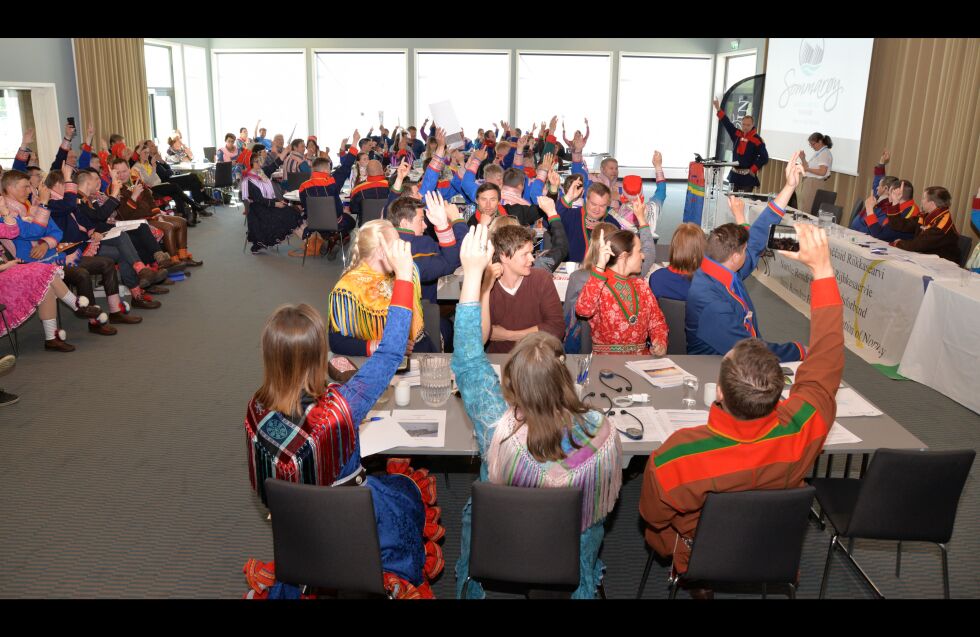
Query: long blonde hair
(294, 357)
(592, 252)
(366, 240)
(537, 384)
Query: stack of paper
(850, 404)
(660, 372)
(379, 433)
(660, 424)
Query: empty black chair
(210, 153)
(526, 536)
(432, 318)
(909, 496)
(674, 313)
(747, 537)
(325, 537)
(372, 209)
(295, 180)
(966, 247)
(222, 175)
(321, 216)
(837, 211)
(822, 197)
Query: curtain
(922, 106)
(112, 94)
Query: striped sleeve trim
(446, 237)
(402, 294)
(554, 219)
(71, 187)
(472, 164)
(779, 211)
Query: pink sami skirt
(22, 288)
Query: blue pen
(373, 419)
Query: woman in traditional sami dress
(622, 311)
(531, 427)
(359, 301)
(270, 219)
(26, 287)
(299, 429)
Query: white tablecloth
(943, 351)
(882, 293)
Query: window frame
(416, 111)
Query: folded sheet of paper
(424, 427)
(660, 372)
(444, 116)
(381, 435)
(839, 435)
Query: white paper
(839, 435)
(795, 366)
(381, 435)
(424, 427)
(684, 418)
(850, 404)
(659, 372)
(444, 116)
(126, 226)
(656, 426)
(561, 285)
(413, 375)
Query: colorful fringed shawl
(359, 304)
(595, 466)
(312, 452)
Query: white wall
(42, 60)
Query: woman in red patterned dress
(623, 313)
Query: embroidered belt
(741, 171)
(619, 348)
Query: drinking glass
(435, 377)
(690, 384)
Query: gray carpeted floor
(126, 472)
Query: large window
(160, 87)
(16, 116)
(571, 86)
(198, 133)
(359, 90)
(737, 68)
(270, 86)
(477, 84)
(665, 105)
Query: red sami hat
(632, 185)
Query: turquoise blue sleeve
(478, 383)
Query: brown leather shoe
(58, 345)
(190, 262)
(89, 312)
(102, 328)
(145, 304)
(157, 289)
(149, 276)
(125, 319)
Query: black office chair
(858, 208)
(663, 252)
(747, 537)
(837, 211)
(372, 209)
(909, 496)
(321, 216)
(223, 179)
(822, 197)
(11, 335)
(674, 313)
(526, 536)
(210, 153)
(966, 247)
(432, 318)
(325, 537)
(295, 180)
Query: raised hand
(737, 204)
(574, 191)
(547, 204)
(441, 141)
(356, 137)
(553, 123)
(398, 253)
(639, 209)
(115, 187)
(814, 250)
(90, 133)
(66, 171)
(137, 191)
(605, 251)
(885, 157)
(547, 161)
(554, 180)
(476, 253)
(716, 104)
(27, 138)
(481, 154)
(435, 209)
(403, 170)
(658, 159)
(794, 170)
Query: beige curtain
(111, 78)
(923, 105)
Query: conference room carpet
(126, 470)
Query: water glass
(436, 385)
(826, 219)
(710, 394)
(690, 385)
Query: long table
(944, 346)
(875, 432)
(882, 293)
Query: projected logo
(822, 91)
(811, 54)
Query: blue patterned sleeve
(478, 383)
(371, 380)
